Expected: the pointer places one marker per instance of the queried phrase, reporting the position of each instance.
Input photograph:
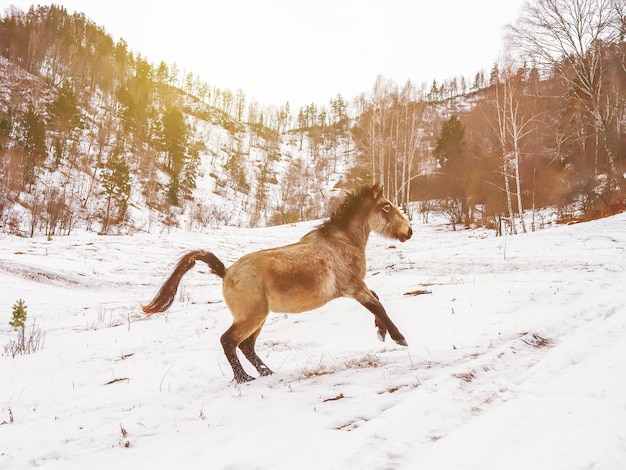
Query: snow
(516, 357)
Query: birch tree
(568, 38)
(500, 126)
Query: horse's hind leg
(242, 333)
(230, 342)
(247, 348)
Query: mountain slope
(226, 190)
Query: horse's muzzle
(405, 236)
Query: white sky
(307, 51)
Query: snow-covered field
(516, 357)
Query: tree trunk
(507, 189)
(518, 188)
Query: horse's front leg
(370, 301)
(381, 330)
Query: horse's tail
(165, 296)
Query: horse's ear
(377, 191)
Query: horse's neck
(359, 231)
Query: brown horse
(327, 263)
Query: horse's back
(288, 279)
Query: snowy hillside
(245, 174)
(516, 357)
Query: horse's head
(386, 219)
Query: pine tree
(189, 172)
(32, 140)
(455, 168)
(64, 109)
(18, 322)
(450, 143)
(116, 181)
(175, 133)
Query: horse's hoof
(381, 335)
(265, 371)
(401, 342)
(242, 379)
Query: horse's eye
(387, 207)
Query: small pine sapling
(25, 344)
(18, 322)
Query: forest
(93, 136)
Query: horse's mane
(342, 216)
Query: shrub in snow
(23, 344)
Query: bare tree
(620, 27)
(515, 119)
(568, 38)
(376, 132)
(389, 133)
(500, 127)
(411, 118)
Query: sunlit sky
(307, 51)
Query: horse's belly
(300, 297)
(295, 291)
(295, 304)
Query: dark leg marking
(383, 322)
(230, 350)
(247, 348)
(382, 331)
